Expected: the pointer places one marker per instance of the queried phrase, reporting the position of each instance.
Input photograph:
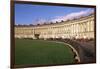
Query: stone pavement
(86, 50)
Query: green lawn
(40, 52)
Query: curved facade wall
(77, 28)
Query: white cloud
(66, 17)
(72, 15)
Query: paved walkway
(85, 50)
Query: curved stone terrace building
(78, 28)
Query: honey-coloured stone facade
(77, 28)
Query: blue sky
(33, 14)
